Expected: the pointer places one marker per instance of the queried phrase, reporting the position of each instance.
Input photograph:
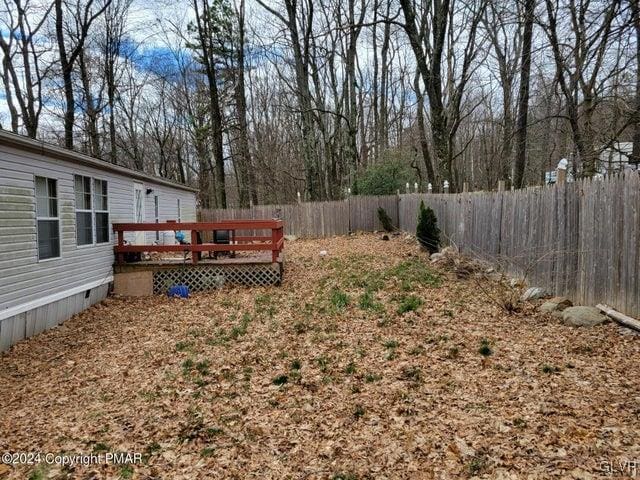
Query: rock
(555, 303)
(582, 316)
(533, 293)
(493, 276)
(436, 256)
(323, 253)
(291, 238)
(465, 450)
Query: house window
(84, 214)
(101, 210)
(92, 208)
(47, 218)
(156, 212)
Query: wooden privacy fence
(317, 219)
(577, 239)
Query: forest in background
(253, 101)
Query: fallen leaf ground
(365, 364)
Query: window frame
(83, 210)
(92, 194)
(37, 218)
(96, 211)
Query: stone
(555, 303)
(436, 256)
(582, 316)
(493, 276)
(533, 293)
(291, 238)
(449, 250)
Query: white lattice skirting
(207, 277)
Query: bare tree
(73, 22)
(206, 27)
(437, 43)
(20, 53)
(580, 60)
(520, 157)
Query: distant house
(613, 159)
(56, 241)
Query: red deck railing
(273, 242)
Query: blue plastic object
(180, 291)
(179, 236)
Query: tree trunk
(90, 108)
(635, 153)
(246, 182)
(69, 110)
(523, 97)
(422, 132)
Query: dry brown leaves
(289, 382)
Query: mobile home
(56, 243)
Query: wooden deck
(253, 259)
(258, 243)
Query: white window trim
(92, 211)
(83, 210)
(107, 211)
(35, 196)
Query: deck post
(194, 241)
(274, 245)
(120, 244)
(276, 236)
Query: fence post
(445, 186)
(398, 199)
(561, 174)
(465, 187)
(501, 185)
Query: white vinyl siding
(24, 278)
